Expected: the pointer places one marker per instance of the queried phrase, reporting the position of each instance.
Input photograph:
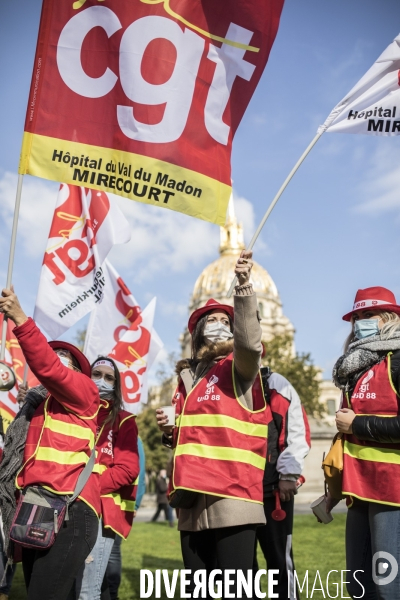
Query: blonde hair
(391, 326)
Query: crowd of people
(72, 463)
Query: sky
(335, 229)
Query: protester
(162, 500)
(48, 444)
(288, 444)
(118, 465)
(112, 578)
(8, 577)
(368, 373)
(224, 486)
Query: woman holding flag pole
(221, 439)
(49, 452)
(368, 373)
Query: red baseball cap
(208, 307)
(374, 297)
(76, 353)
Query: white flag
(131, 354)
(86, 224)
(373, 105)
(112, 318)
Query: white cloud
(166, 240)
(173, 309)
(37, 206)
(163, 240)
(381, 190)
(245, 214)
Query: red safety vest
(117, 508)
(371, 470)
(58, 445)
(221, 445)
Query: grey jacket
(212, 512)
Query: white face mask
(65, 361)
(217, 332)
(106, 390)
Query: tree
(80, 338)
(157, 455)
(298, 369)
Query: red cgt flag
(15, 358)
(142, 98)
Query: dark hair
(198, 339)
(118, 402)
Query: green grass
(153, 546)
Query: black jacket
(381, 429)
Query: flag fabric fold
(110, 320)
(86, 224)
(15, 358)
(372, 106)
(131, 353)
(143, 98)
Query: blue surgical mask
(106, 390)
(65, 361)
(365, 328)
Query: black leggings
(224, 548)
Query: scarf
(361, 356)
(13, 454)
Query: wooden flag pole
(11, 259)
(25, 377)
(275, 200)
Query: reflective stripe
(389, 371)
(69, 429)
(380, 455)
(60, 457)
(224, 421)
(126, 418)
(128, 505)
(222, 453)
(99, 468)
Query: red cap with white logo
(374, 297)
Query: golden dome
(215, 280)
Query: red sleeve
(75, 391)
(126, 459)
(307, 426)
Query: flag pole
(25, 377)
(11, 259)
(275, 200)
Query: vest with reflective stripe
(117, 508)
(371, 470)
(58, 445)
(221, 445)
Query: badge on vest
(210, 392)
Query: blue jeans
(88, 587)
(114, 570)
(373, 528)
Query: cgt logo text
(239, 584)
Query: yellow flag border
(132, 176)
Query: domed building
(215, 280)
